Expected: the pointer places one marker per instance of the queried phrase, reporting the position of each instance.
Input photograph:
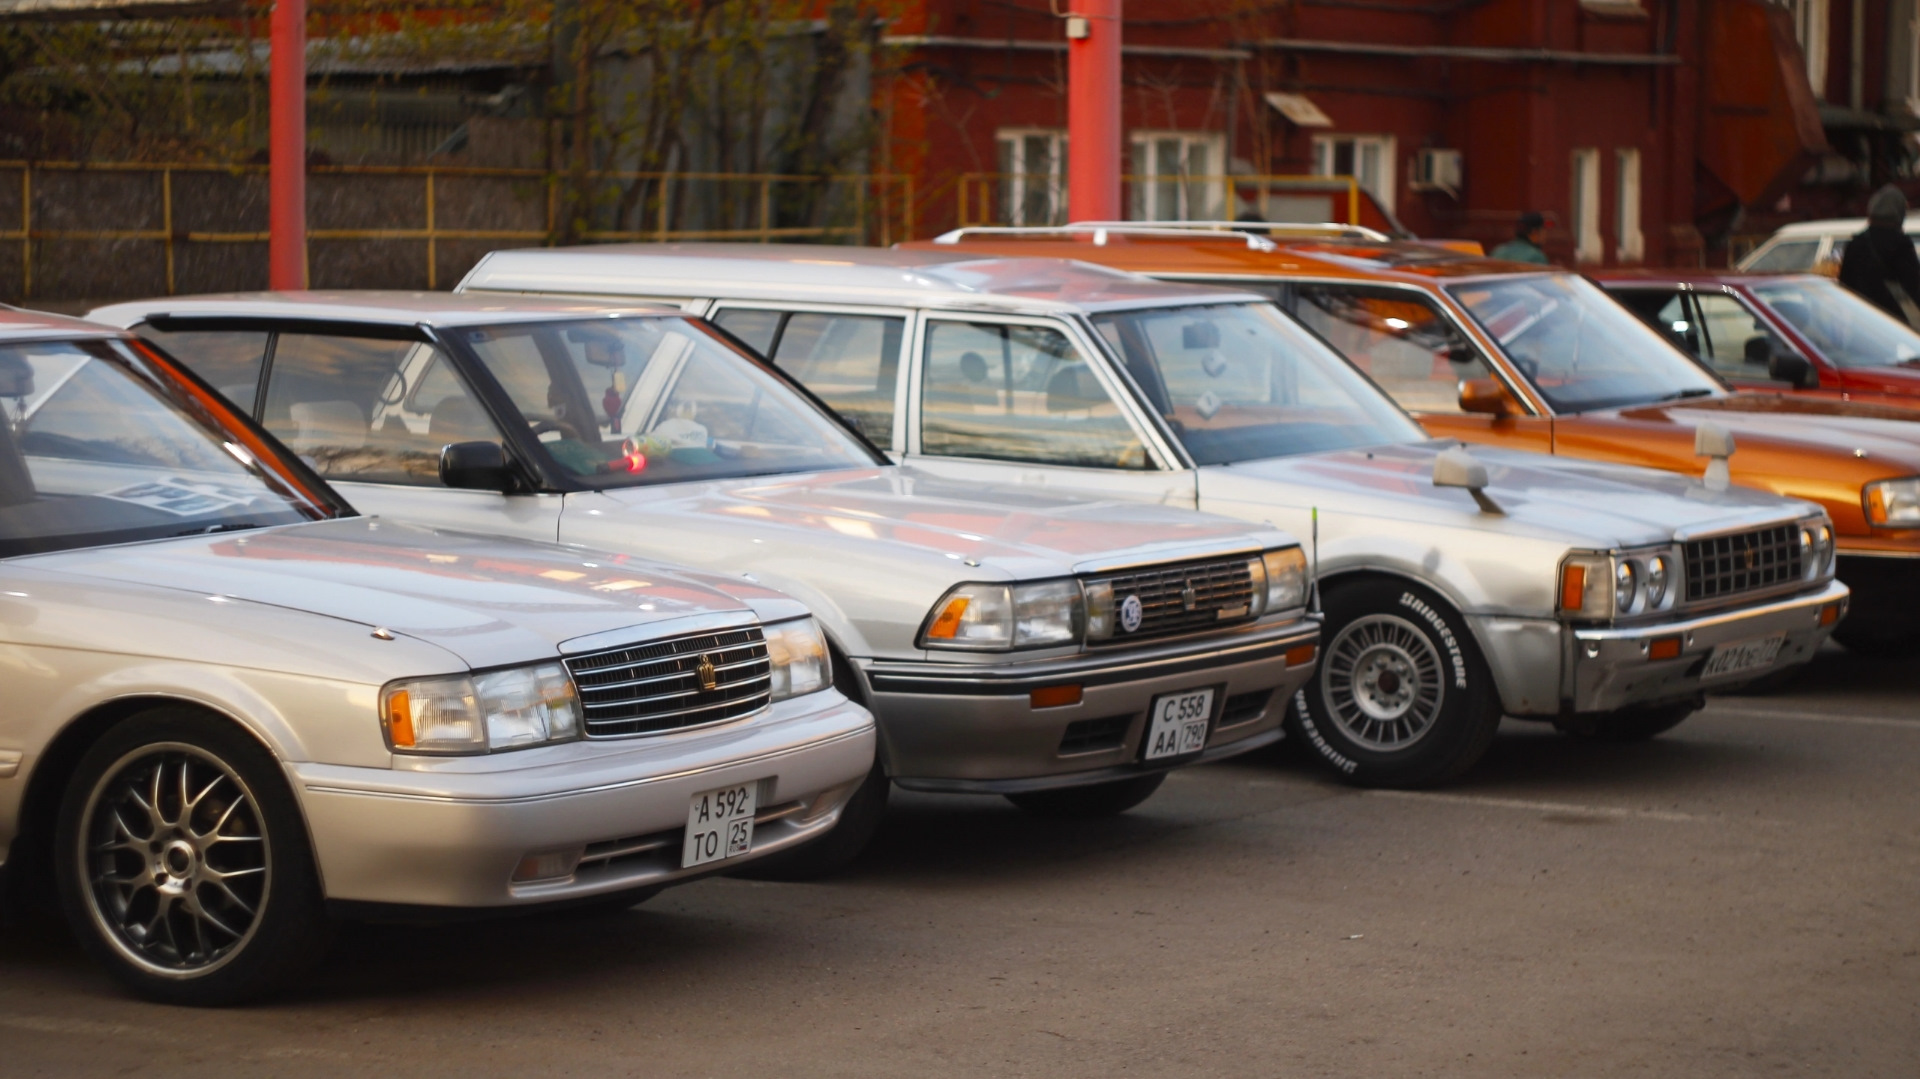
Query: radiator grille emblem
(709, 678)
(1188, 597)
(1130, 613)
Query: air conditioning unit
(1437, 170)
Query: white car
(1457, 585)
(1061, 652)
(231, 701)
(1812, 246)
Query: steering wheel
(541, 427)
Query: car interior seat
(333, 424)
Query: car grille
(1723, 566)
(1182, 598)
(1095, 735)
(1244, 707)
(657, 686)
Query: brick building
(1661, 131)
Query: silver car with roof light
(1458, 586)
(232, 702)
(1063, 652)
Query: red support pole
(1093, 111)
(287, 147)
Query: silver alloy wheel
(177, 862)
(1383, 681)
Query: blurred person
(1880, 264)
(1525, 245)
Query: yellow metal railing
(883, 209)
(984, 196)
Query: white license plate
(1177, 723)
(719, 824)
(1736, 657)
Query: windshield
(1845, 328)
(1577, 346)
(98, 447)
(1239, 382)
(623, 402)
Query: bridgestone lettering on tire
(1402, 697)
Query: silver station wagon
(1062, 652)
(1457, 587)
(230, 700)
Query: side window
(1397, 337)
(1019, 393)
(756, 328)
(1667, 311)
(852, 362)
(1734, 342)
(229, 362)
(370, 410)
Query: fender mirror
(1715, 442)
(1457, 468)
(1487, 397)
(475, 466)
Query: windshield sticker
(183, 497)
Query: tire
(838, 848)
(183, 865)
(1628, 724)
(1093, 800)
(1402, 697)
(1876, 643)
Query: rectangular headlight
(998, 617)
(798, 653)
(1284, 573)
(1893, 503)
(506, 709)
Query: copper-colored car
(1539, 358)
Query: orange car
(1539, 358)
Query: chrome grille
(657, 686)
(1182, 598)
(1723, 566)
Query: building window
(1628, 243)
(1178, 176)
(1810, 27)
(1033, 176)
(1587, 245)
(1366, 158)
(1913, 61)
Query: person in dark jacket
(1880, 263)
(1525, 245)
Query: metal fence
(995, 198)
(101, 230)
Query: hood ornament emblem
(1188, 597)
(709, 678)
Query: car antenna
(1314, 585)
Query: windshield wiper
(1697, 391)
(230, 526)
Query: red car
(1797, 332)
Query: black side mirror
(1793, 369)
(1462, 355)
(475, 466)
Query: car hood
(1012, 532)
(1855, 429)
(1581, 503)
(488, 601)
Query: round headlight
(1625, 583)
(1824, 550)
(1656, 580)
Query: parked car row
(624, 566)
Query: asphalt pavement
(1739, 897)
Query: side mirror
(1486, 396)
(1462, 355)
(475, 466)
(1793, 369)
(1458, 468)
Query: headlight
(997, 617)
(1626, 585)
(1279, 580)
(1893, 503)
(1816, 548)
(509, 709)
(1586, 586)
(798, 654)
(1657, 580)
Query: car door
(370, 408)
(1033, 402)
(848, 356)
(1410, 348)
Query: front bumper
(972, 728)
(449, 832)
(1608, 669)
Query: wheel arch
(1448, 596)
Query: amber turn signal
(1300, 655)
(1573, 587)
(399, 720)
(1830, 614)
(947, 625)
(1054, 696)
(1664, 648)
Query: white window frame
(1629, 243)
(1383, 187)
(1811, 22)
(1013, 141)
(1212, 143)
(1588, 244)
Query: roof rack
(1338, 230)
(1101, 230)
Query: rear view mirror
(1486, 396)
(475, 466)
(1199, 335)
